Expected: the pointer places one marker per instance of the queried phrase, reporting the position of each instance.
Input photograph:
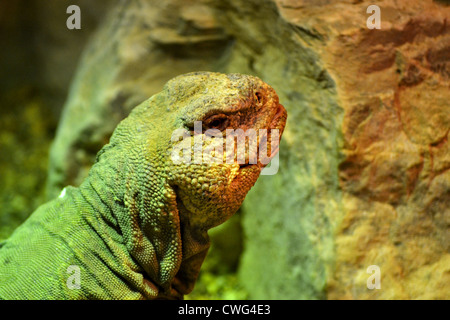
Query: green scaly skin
(137, 226)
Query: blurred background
(364, 160)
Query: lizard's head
(185, 172)
(223, 125)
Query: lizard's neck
(100, 193)
(132, 195)
(130, 199)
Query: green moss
(212, 286)
(26, 130)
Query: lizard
(137, 226)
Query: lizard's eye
(217, 121)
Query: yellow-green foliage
(211, 286)
(25, 134)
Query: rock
(396, 115)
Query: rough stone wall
(394, 86)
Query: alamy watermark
(74, 20)
(374, 21)
(74, 280)
(374, 281)
(241, 147)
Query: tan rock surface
(394, 86)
